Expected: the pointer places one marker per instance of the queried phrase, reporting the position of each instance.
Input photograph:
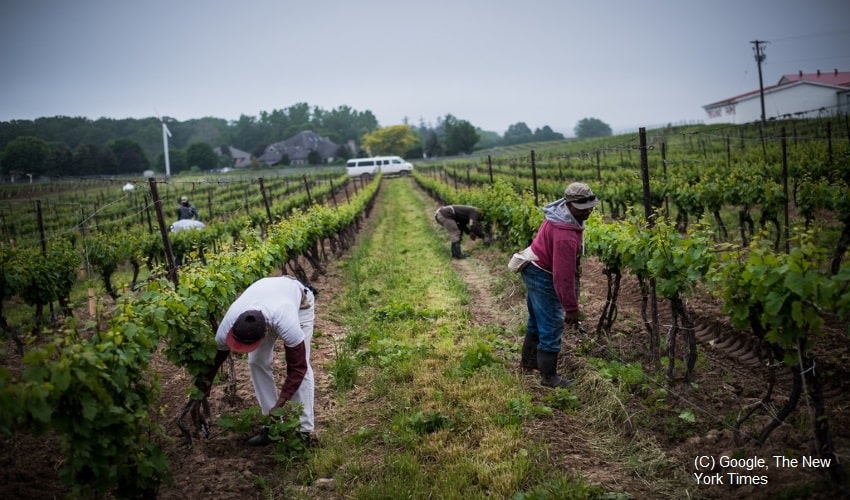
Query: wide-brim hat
(247, 332)
(580, 195)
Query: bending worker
(270, 309)
(459, 219)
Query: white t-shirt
(279, 299)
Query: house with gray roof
(241, 159)
(298, 147)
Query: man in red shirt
(551, 281)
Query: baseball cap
(184, 199)
(247, 332)
(580, 195)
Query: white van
(367, 167)
(394, 165)
(362, 167)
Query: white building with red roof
(800, 95)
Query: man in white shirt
(270, 309)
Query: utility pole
(760, 56)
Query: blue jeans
(545, 314)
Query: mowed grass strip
(425, 409)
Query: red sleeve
(296, 368)
(565, 251)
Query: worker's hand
(571, 318)
(285, 411)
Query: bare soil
(728, 378)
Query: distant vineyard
(123, 230)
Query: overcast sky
(490, 62)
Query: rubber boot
(547, 363)
(456, 253)
(528, 361)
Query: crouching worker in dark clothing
(459, 219)
(271, 309)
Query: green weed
(343, 368)
(520, 409)
(283, 426)
(630, 376)
(477, 357)
(562, 399)
(428, 422)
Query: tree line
(77, 146)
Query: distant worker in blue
(186, 211)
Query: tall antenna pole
(167, 133)
(760, 57)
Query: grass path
(417, 391)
